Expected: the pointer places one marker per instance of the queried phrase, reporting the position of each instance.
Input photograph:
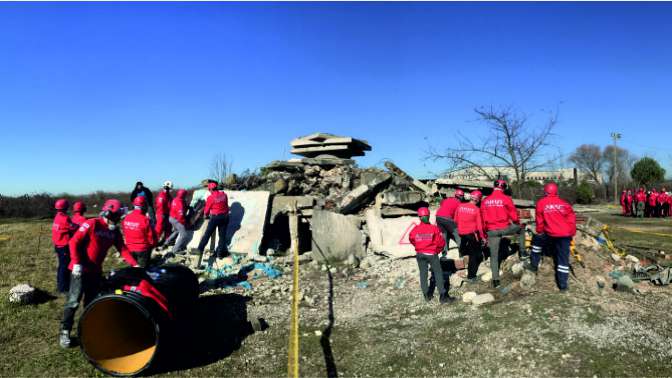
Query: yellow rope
(293, 355)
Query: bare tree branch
(221, 167)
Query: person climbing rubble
(445, 217)
(61, 230)
(428, 242)
(556, 226)
(500, 219)
(472, 236)
(217, 211)
(78, 211)
(138, 232)
(179, 222)
(88, 249)
(163, 200)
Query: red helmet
(500, 184)
(140, 201)
(181, 193)
(476, 195)
(62, 204)
(459, 193)
(212, 186)
(551, 189)
(79, 207)
(423, 212)
(112, 209)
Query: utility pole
(615, 137)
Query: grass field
(376, 331)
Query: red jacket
(468, 219)
(623, 198)
(498, 211)
(217, 203)
(138, 232)
(662, 198)
(427, 239)
(448, 207)
(162, 203)
(555, 217)
(640, 197)
(62, 229)
(628, 199)
(89, 245)
(177, 210)
(653, 197)
(78, 219)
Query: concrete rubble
(21, 294)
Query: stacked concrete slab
(329, 145)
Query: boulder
(455, 281)
(517, 269)
(482, 299)
(22, 294)
(469, 296)
(528, 280)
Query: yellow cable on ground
(293, 354)
(646, 233)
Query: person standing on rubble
(197, 204)
(217, 211)
(428, 242)
(61, 231)
(138, 232)
(163, 200)
(500, 218)
(556, 226)
(179, 222)
(445, 217)
(141, 190)
(472, 236)
(78, 210)
(88, 249)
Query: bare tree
(624, 162)
(221, 167)
(588, 158)
(510, 143)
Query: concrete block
(336, 236)
(469, 296)
(356, 198)
(402, 198)
(281, 204)
(482, 299)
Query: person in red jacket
(629, 203)
(662, 201)
(472, 236)
(217, 211)
(428, 242)
(445, 217)
(556, 226)
(139, 234)
(78, 210)
(640, 199)
(61, 231)
(178, 220)
(88, 249)
(652, 202)
(623, 203)
(162, 209)
(500, 219)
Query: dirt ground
(369, 322)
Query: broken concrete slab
(356, 198)
(281, 204)
(392, 212)
(317, 144)
(402, 198)
(399, 172)
(335, 236)
(469, 296)
(482, 299)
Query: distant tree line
(41, 205)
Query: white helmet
(168, 184)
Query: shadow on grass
(325, 341)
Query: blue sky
(97, 95)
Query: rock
(632, 258)
(323, 268)
(483, 268)
(259, 258)
(528, 280)
(482, 299)
(487, 276)
(365, 264)
(517, 269)
(468, 296)
(270, 252)
(600, 281)
(624, 283)
(352, 261)
(333, 270)
(279, 186)
(336, 236)
(615, 257)
(453, 254)
(21, 294)
(455, 281)
(225, 261)
(318, 333)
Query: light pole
(615, 137)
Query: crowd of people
(642, 203)
(81, 244)
(478, 225)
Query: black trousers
(86, 286)
(62, 272)
(424, 263)
(218, 222)
(470, 246)
(142, 257)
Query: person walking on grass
(61, 231)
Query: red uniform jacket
(662, 197)
(427, 239)
(217, 203)
(162, 203)
(498, 211)
(177, 210)
(62, 229)
(468, 219)
(555, 217)
(653, 198)
(78, 219)
(448, 207)
(628, 200)
(640, 197)
(623, 197)
(138, 232)
(89, 245)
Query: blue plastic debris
(362, 284)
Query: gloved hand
(77, 270)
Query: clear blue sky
(95, 96)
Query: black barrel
(122, 332)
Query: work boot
(530, 267)
(428, 297)
(64, 339)
(495, 283)
(446, 298)
(194, 252)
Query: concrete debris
(416, 183)
(357, 197)
(352, 261)
(601, 282)
(528, 280)
(482, 299)
(632, 258)
(22, 294)
(487, 276)
(336, 236)
(329, 145)
(517, 269)
(402, 198)
(455, 281)
(469, 296)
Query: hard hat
(476, 195)
(112, 209)
(459, 193)
(62, 204)
(140, 201)
(168, 184)
(551, 189)
(423, 212)
(212, 186)
(500, 184)
(181, 193)
(79, 207)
